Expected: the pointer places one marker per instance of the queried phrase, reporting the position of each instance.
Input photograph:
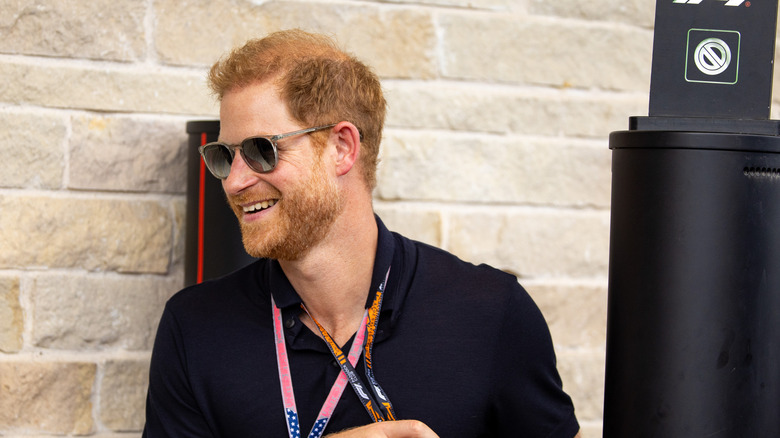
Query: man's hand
(389, 429)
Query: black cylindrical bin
(213, 246)
(693, 325)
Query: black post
(693, 324)
(213, 246)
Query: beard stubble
(304, 216)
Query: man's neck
(334, 278)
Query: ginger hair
(320, 83)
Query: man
(341, 324)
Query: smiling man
(341, 326)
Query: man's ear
(347, 147)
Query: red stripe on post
(201, 209)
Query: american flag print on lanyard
(319, 427)
(294, 427)
(292, 424)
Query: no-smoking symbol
(712, 56)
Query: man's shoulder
(433, 276)
(230, 289)
(442, 265)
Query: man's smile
(260, 206)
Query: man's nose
(240, 177)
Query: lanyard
(373, 321)
(363, 338)
(285, 378)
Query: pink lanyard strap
(285, 379)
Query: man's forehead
(255, 109)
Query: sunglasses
(260, 153)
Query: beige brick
(11, 316)
(128, 154)
(99, 29)
(484, 169)
(47, 397)
(575, 313)
(179, 31)
(495, 5)
(634, 12)
(32, 147)
(61, 84)
(123, 395)
(591, 429)
(179, 235)
(544, 51)
(395, 42)
(534, 243)
(399, 44)
(775, 107)
(95, 234)
(98, 312)
(583, 379)
(501, 109)
(415, 223)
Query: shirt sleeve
(529, 397)
(171, 408)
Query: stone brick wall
(495, 149)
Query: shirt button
(334, 363)
(290, 323)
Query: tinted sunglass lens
(218, 159)
(260, 154)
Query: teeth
(259, 206)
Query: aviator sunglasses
(259, 153)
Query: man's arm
(170, 408)
(528, 392)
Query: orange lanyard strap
(373, 323)
(382, 411)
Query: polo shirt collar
(286, 296)
(385, 254)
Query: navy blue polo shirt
(462, 348)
